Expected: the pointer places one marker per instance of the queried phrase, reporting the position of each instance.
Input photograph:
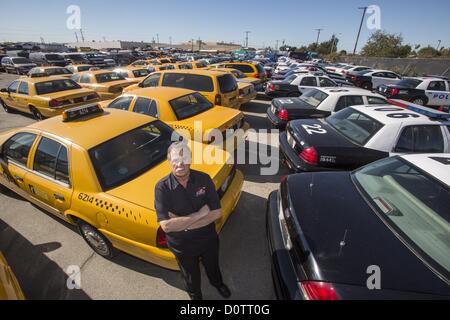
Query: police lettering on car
(360, 135)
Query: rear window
(190, 105)
(242, 67)
(193, 82)
(54, 57)
(57, 71)
(108, 77)
(227, 83)
(202, 64)
(20, 60)
(55, 86)
(141, 73)
(409, 83)
(314, 97)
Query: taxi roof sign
(81, 112)
(428, 112)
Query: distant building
(103, 45)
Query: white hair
(178, 146)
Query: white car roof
(437, 165)
(383, 117)
(373, 71)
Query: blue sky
(420, 22)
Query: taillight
(218, 100)
(309, 155)
(161, 239)
(395, 91)
(353, 78)
(271, 87)
(283, 115)
(55, 103)
(318, 291)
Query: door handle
(19, 179)
(59, 197)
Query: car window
(421, 139)
(324, 82)
(23, 88)
(190, 105)
(146, 106)
(379, 74)
(354, 101)
(189, 81)
(48, 154)
(376, 100)
(13, 87)
(121, 103)
(18, 147)
(85, 78)
(341, 104)
(437, 86)
(242, 67)
(227, 83)
(151, 81)
(108, 77)
(55, 86)
(309, 82)
(140, 73)
(391, 75)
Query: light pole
(246, 38)
(318, 35)
(360, 27)
(439, 44)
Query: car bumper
(283, 272)
(274, 121)
(247, 98)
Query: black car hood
(346, 237)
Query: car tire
(5, 107)
(419, 101)
(96, 240)
(36, 114)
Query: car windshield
(314, 97)
(55, 86)
(83, 68)
(354, 125)
(409, 83)
(76, 57)
(21, 60)
(108, 77)
(290, 78)
(131, 154)
(190, 105)
(414, 203)
(57, 71)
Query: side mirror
(4, 90)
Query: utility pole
(170, 40)
(318, 35)
(76, 36)
(199, 44)
(439, 44)
(276, 47)
(360, 27)
(246, 38)
(192, 41)
(82, 35)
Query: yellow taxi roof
(85, 132)
(95, 72)
(161, 93)
(196, 71)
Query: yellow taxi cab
(220, 88)
(50, 72)
(247, 90)
(132, 73)
(45, 97)
(76, 68)
(182, 109)
(9, 286)
(103, 181)
(107, 84)
(251, 69)
(140, 63)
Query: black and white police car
(433, 92)
(360, 135)
(319, 103)
(325, 229)
(373, 79)
(296, 84)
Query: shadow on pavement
(39, 277)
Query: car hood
(345, 237)
(25, 65)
